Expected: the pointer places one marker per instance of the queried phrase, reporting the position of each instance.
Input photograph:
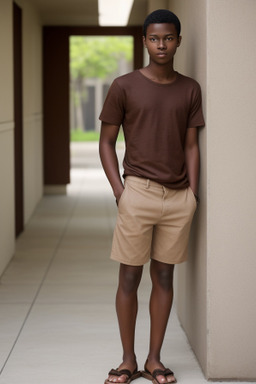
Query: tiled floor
(57, 318)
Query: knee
(163, 278)
(129, 279)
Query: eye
(169, 38)
(152, 39)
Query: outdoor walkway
(57, 317)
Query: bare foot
(151, 366)
(130, 366)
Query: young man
(160, 111)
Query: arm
(192, 158)
(109, 159)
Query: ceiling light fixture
(114, 12)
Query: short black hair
(161, 16)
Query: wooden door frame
(56, 80)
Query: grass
(80, 136)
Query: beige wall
(32, 108)
(215, 295)
(6, 136)
(32, 121)
(231, 188)
(191, 282)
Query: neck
(161, 73)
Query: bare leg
(160, 308)
(127, 307)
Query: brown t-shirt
(155, 118)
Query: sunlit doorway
(95, 61)
(56, 98)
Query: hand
(118, 196)
(197, 198)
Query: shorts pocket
(193, 196)
(122, 197)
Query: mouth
(161, 54)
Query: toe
(120, 379)
(113, 379)
(171, 379)
(161, 379)
(166, 379)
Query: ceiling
(82, 12)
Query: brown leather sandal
(157, 372)
(130, 376)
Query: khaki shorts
(153, 222)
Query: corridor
(57, 317)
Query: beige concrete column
(215, 296)
(231, 250)
(32, 108)
(191, 282)
(7, 225)
(32, 123)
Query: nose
(162, 44)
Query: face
(161, 42)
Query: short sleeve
(113, 107)
(195, 117)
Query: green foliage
(97, 56)
(80, 136)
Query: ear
(144, 41)
(179, 41)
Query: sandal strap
(115, 372)
(162, 372)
